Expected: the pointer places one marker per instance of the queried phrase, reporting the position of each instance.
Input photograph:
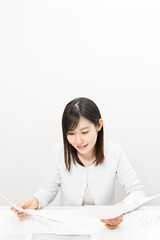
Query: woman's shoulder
(57, 154)
(112, 148)
(58, 149)
(112, 152)
(58, 146)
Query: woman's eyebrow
(84, 128)
(80, 129)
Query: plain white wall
(54, 51)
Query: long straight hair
(81, 107)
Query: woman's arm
(128, 179)
(51, 185)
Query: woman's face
(84, 137)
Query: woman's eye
(70, 133)
(84, 132)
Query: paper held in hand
(90, 211)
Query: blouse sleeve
(128, 178)
(51, 185)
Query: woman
(84, 168)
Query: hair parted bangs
(73, 111)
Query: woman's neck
(87, 160)
(87, 163)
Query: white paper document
(99, 212)
(30, 211)
(107, 212)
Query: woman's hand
(29, 203)
(112, 223)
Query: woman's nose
(78, 139)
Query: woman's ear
(100, 124)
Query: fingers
(22, 204)
(19, 204)
(14, 210)
(110, 227)
(113, 222)
(21, 215)
(28, 203)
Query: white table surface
(141, 224)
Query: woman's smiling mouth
(82, 147)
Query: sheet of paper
(87, 214)
(30, 211)
(136, 202)
(107, 212)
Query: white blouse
(88, 199)
(100, 179)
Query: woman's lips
(83, 147)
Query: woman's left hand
(112, 223)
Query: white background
(54, 51)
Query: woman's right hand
(28, 203)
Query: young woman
(84, 168)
